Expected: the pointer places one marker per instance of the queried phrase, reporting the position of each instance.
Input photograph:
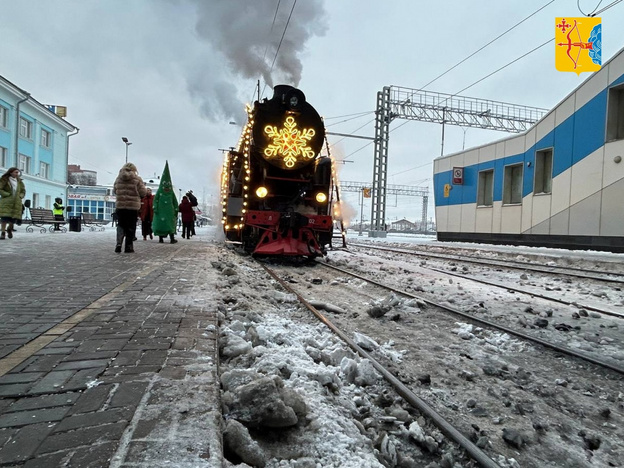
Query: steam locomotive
(276, 188)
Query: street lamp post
(125, 140)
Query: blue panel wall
(572, 140)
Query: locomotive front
(276, 187)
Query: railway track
(286, 280)
(530, 292)
(603, 276)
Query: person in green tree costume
(165, 208)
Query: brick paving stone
(96, 456)
(21, 377)
(82, 437)
(48, 461)
(128, 394)
(94, 419)
(24, 443)
(83, 378)
(52, 382)
(24, 418)
(78, 356)
(44, 401)
(14, 390)
(98, 371)
(93, 399)
(77, 365)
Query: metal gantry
(395, 102)
(408, 190)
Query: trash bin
(75, 223)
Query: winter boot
(173, 240)
(2, 236)
(10, 231)
(120, 238)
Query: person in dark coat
(12, 192)
(129, 188)
(193, 199)
(188, 217)
(147, 214)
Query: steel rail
(569, 271)
(449, 430)
(547, 344)
(533, 294)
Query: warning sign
(458, 175)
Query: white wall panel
(511, 218)
(484, 220)
(487, 153)
(454, 218)
(441, 218)
(561, 192)
(527, 209)
(560, 223)
(613, 171)
(471, 158)
(541, 208)
(500, 150)
(565, 109)
(585, 216)
(616, 67)
(529, 139)
(468, 216)
(514, 145)
(496, 217)
(545, 126)
(590, 88)
(587, 176)
(444, 165)
(612, 210)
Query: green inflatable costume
(165, 206)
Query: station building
(34, 139)
(560, 184)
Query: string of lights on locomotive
(276, 186)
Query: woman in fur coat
(129, 188)
(12, 192)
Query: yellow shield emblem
(578, 44)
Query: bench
(89, 219)
(40, 218)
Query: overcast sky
(171, 74)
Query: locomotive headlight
(262, 192)
(321, 197)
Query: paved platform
(108, 360)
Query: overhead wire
(606, 8)
(483, 47)
(578, 5)
(268, 40)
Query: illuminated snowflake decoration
(289, 142)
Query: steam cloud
(243, 33)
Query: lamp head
(124, 139)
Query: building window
(35, 200)
(25, 128)
(4, 157)
(512, 185)
(4, 117)
(615, 114)
(48, 205)
(44, 170)
(24, 164)
(45, 138)
(543, 171)
(486, 188)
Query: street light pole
(125, 140)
